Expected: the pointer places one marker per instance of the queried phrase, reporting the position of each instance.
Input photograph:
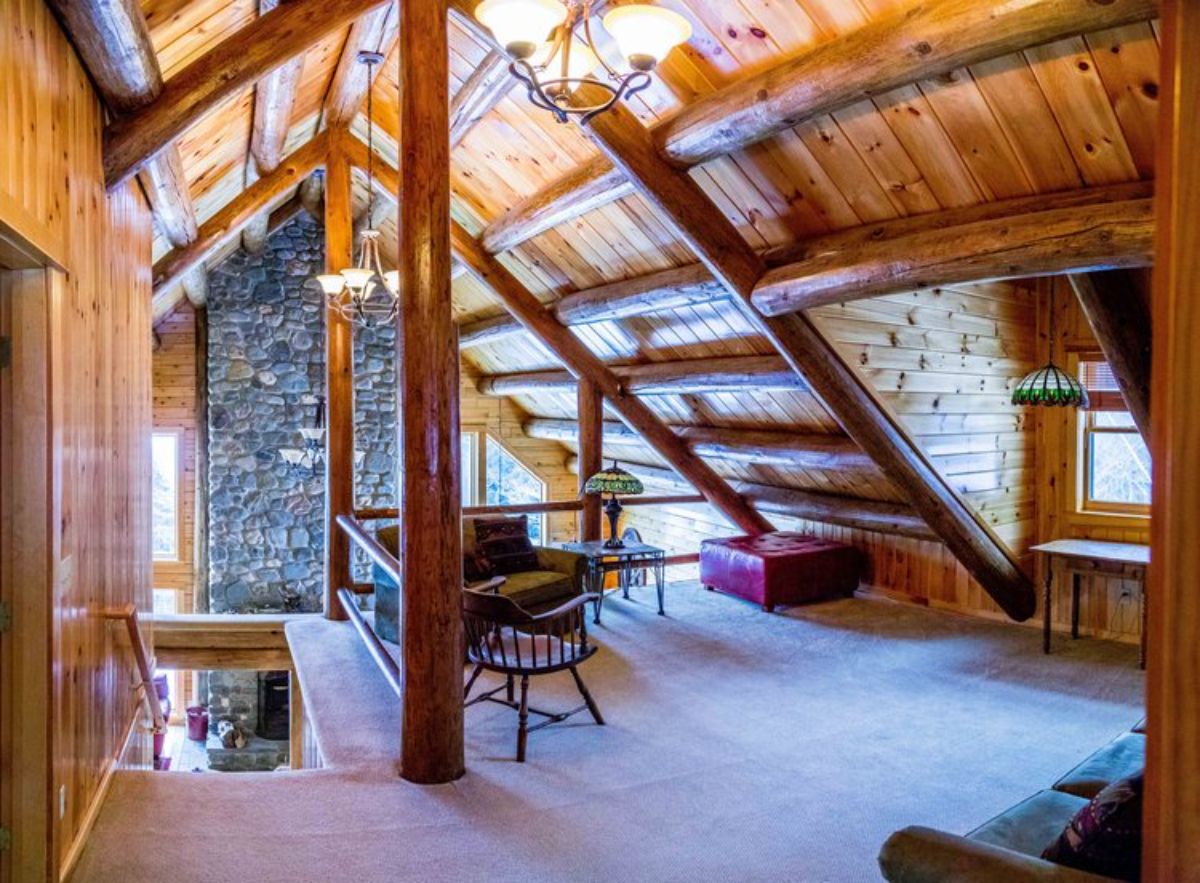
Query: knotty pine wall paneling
(97, 313)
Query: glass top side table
(624, 561)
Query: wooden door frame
(30, 486)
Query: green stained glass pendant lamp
(1050, 385)
(612, 481)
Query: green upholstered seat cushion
(534, 589)
(1032, 823)
(1121, 757)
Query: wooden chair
(504, 638)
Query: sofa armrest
(572, 564)
(923, 855)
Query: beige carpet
(740, 746)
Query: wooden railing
(129, 615)
(536, 508)
(383, 659)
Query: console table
(1087, 557)
(624, 560)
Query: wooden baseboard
(123, 759)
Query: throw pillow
(1105, 837)
(504, 542)
(476, 567)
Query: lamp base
(612, 509)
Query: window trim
(1085, 432)
(174, 557)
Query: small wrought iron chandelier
(364, 293)
(308, 461)
(1050, 385)
(553, 69)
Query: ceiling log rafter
(113, 41)
(1126, 207)
(924, 42)
(239, 61)
(274, 98)
(677, 197)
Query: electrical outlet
(62, 802)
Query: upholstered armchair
(538, 578)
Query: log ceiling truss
(1081, 230)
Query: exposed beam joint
(230, 220)
(232, 65)
(675, 196)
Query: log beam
(851, 512)
(769, 447)
(589, 436)
(1041, 243)
(373, 32)
(339, 377)
(113, 42)
(583, 363)
(677, 197)
(1119, 316)
(274, 98)
(482, 91)
(234, 64)
(912, 45)
(690, 376)
(694, 284)
(427, 353)
(230, 220)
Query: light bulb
(521, 25)
(646, 34)
(356, 278)
(581, 63)
(331, 283)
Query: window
(1115, 462)
(509, 481)
(164, 460)
(493, 476)
(166, 601)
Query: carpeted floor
(739, 747)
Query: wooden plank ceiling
(1075, 113)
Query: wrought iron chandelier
(364, 293)
(552, 60)
(1050, 385)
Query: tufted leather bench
(780, 568)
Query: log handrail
(376, 552)
(129, 615)
(384, 513)
(383, 659)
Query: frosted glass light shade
(521, 25)
(645, 34)
(331, 283)
(581, 63)
(356, 278)
(392, 280)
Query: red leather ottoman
(780, 568)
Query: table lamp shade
(613, 480)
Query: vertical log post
(591, 452)
(200, 534)
(430, 495)
(1171, 823)
(339, 378)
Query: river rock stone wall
(266, 373)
